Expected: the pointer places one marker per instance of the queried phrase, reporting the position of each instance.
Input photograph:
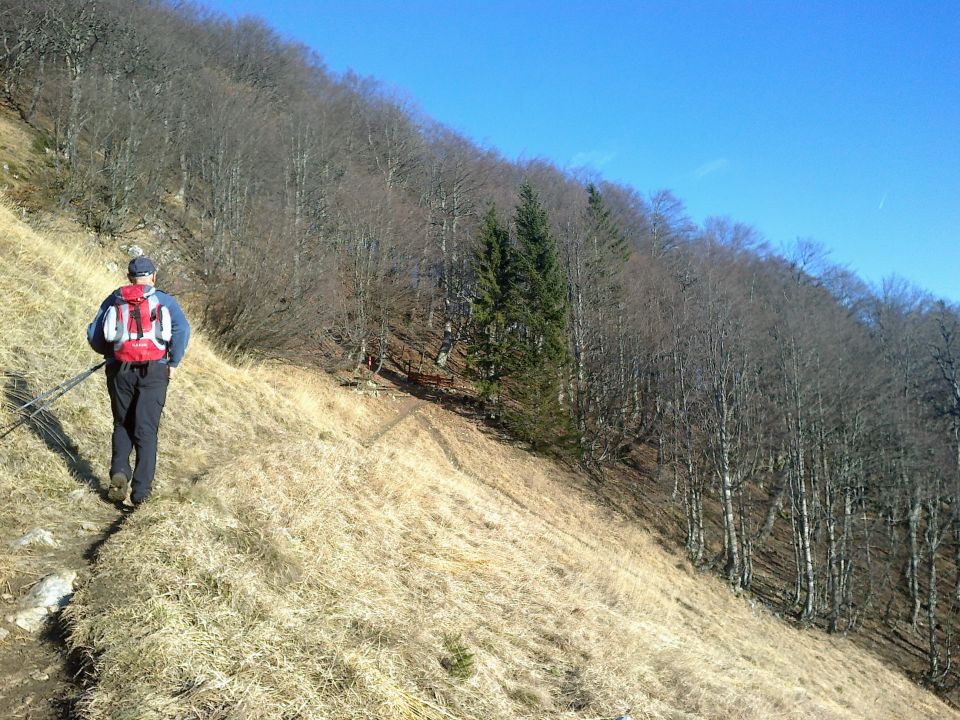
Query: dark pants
(137, 395)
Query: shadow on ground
(50, 430)
(58, 692)
(90, 555)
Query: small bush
(460, 662)
(40, 144)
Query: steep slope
(295, 562)
(50, 470)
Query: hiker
(143, 333)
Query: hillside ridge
(805, 422)
(287, 567)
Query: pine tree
(539, 296)
(490, 351)
(541, 291)
(519, 352)
(596, 261)
(608, 247)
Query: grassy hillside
(293, 564)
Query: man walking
(143, 333)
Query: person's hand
(170, 372)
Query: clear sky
(836, 121)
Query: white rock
(4, 634)
(134, 251)
(37, 536)
(89, 527)
(31, 619)
(53, 591)
(113, 267)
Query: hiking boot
(119, 487)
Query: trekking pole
(51, 396)
(45, 395)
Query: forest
(794, 410)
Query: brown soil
(38, 681)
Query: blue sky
(836, 121)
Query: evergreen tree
(540, 293)
(539, 413)
(519, 352)
(490, 351)
(608, 247)
(596, 256)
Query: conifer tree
(608, 245)
(538, 294)
(490, 351)
(596, 256)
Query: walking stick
(50, 396)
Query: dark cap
(141, 266)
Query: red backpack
(137, 325)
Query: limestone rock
(37, 536)
(134, 251)
(54, 591)
(31, 619)
(47, 596)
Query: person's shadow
(49, 429)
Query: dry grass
(38, 349)
(51, 289)
(286, 570)
(21, 152)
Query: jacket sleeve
(179, 330)
(95, 332)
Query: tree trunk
(449, 339)
(913, 559)
(731, 543)
(805, 544)
(933, 537)
(833, 560)
(37, 89)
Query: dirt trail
(450, 454)
(413, 406)
(410, 406)
(441, 442)
(37, 679)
